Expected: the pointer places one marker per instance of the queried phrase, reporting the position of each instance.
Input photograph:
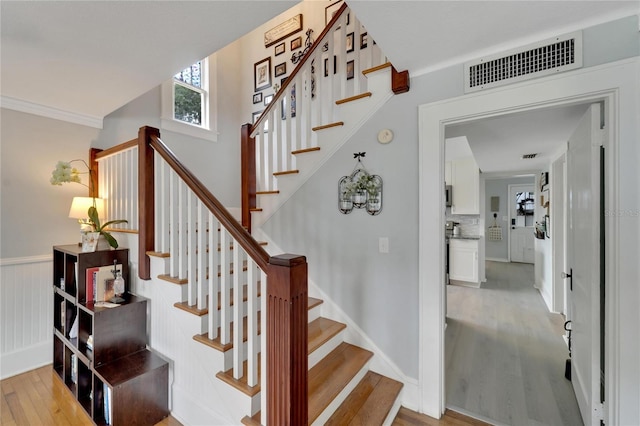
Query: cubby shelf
(119, 362)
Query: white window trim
(208, 130)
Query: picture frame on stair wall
(262, 74)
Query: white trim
(496, 259)
(26, 359)
(50, 112)
(618, 83)
(25, 260)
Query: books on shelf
(108, 411)
(99, 282)
(74, 368)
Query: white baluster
(237, 310)
(182, 229)
(225, 284)
(202, 255)
(213, 322)
(253, 346)
(191, 254)
(174, 245)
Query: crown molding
(49, 112)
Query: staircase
(207, 276)
(341, 388)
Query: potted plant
(65, 173)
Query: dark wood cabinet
(106, 364)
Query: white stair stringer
(354, 114)
(197, 396)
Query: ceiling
(92, 57)
(498, 143)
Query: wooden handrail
(260, 122)
(246, 241)
(248, 172)
(115, 149)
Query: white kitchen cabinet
(463, 260)
(465, 184)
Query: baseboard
(26, 359)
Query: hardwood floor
(38, 398)
(504, 352)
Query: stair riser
(339, 399)
(328, 346)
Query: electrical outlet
(383, 245)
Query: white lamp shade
(80, 207)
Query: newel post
(287, 395)
(146, 200)
(248, 173)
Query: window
(189, 96)
(188, 101)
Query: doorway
(589, 86)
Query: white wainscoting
(26, 317)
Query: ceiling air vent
(529, 156)
(546, 57)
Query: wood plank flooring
(505, 353)
(37, 398)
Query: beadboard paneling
(26, 311)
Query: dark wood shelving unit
(119, 363)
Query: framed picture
(544, 179)
(350, 68)
(350, 46)
(255, 116)
(296, 43)
(262, 74)
(281, 69)
(330, 10)
(257, 97)
(267, 100)
(279, 49)
(283, 30)
(283, 104)
(363, 41)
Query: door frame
(557, 196)
(603, 83)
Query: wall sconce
(360, 190)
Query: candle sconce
(360, 190)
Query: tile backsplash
(469, 224)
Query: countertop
(464, 237)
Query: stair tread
(328, 126)
(377, 68)
(286, 172)
(241, 384)
(194, 310)
(304, 151)
(181, 281)
(217, 344)
(327, 378)
(354, 98)
(369, 403)
(253, 420)
(321, 330)
(267, 192)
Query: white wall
(543, 270)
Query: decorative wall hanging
(296, 57)
(360, 190)
(283, 30)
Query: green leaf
(114, 222)
(112, 241)
(93, 217)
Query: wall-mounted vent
(550, 56)
(528, 156)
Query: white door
(583, 259)
(521, 216)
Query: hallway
(504, 352)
